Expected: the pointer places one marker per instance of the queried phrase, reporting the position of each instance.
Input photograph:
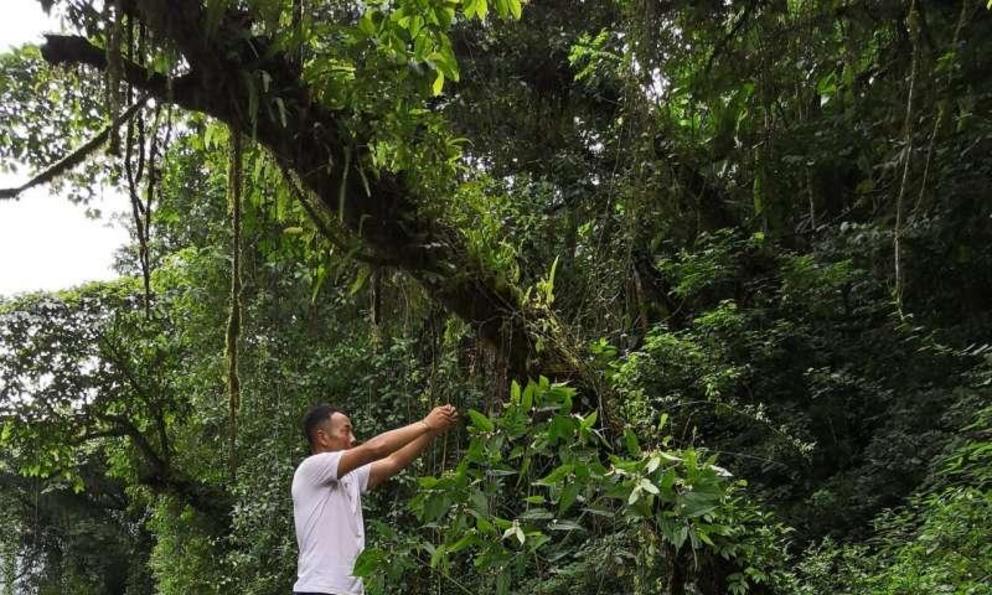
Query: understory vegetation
(710, 282)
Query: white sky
(46, 242)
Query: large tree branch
(311, 142)
(59, 50)
(213, 502)
(69, 50)
(127, 428)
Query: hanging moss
(115, 21)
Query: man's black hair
(317, 415)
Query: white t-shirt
(330, 530)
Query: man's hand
(439, 420)
(442, 418)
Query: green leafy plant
(537, 479)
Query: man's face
(336, 433)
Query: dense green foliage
(741, 254)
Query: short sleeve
(362, 474)
(322, 468)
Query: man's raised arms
(393, 450)
(385, 468)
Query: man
(327, 489)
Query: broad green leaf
(481, 421)
(479, 502)
(514, 392)
(565, 526)
(468, 539)
(516, 8)
(536, 539)
(439, 553)
(476, 8)
(528, 398)
(568, 496)
(703, 536)
(483, 525)
(438, 84)
(536, 514)
(360, 278)
(557, 475)
(633, 445)
(635, 495)
(368, 562)
(366, 25)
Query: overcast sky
(46, 242)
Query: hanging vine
(135, 148)
(235, 173)
(375, 305)
(115, 68)
(899, 274)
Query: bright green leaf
(438, 84)
(481, 421)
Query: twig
(75, 157)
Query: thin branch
(140, 440)
(117, 359)
(72, 50)
(87, 436)
(77, 156)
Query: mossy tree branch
(312, 144)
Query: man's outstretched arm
(388, 443)
(385, 468)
